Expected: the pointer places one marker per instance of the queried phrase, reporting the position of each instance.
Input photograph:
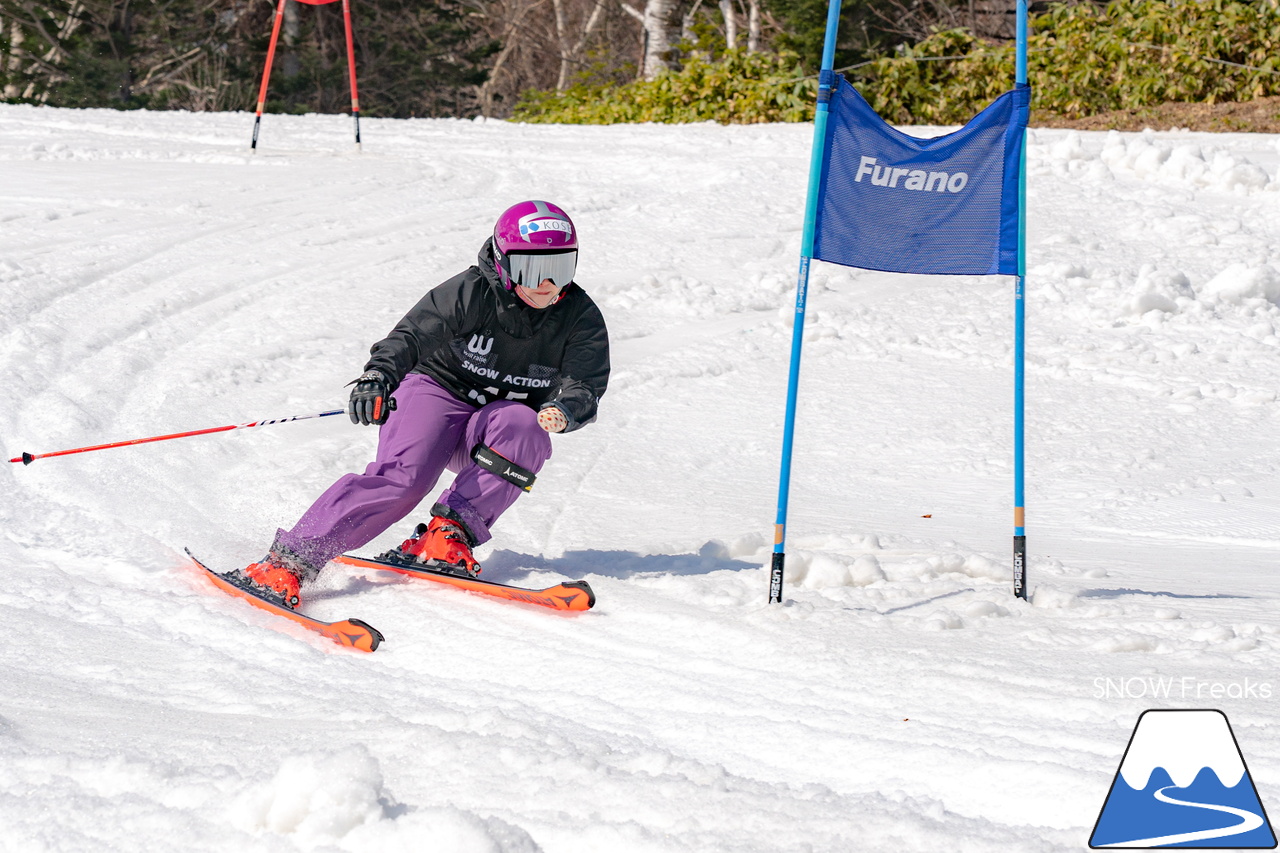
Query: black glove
(371, 400)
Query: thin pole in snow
(1020, 342)
(266, 75)
(826, 83)
(351, 69)
(28, 458)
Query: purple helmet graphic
(532, 241)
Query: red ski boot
(445, 541)
(275, 576)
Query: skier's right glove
(371, 400)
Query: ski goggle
(531, 269)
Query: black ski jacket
(482, 343)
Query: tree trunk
(486, 88)
(290, 63)
(661, 31)
(571, 53)
(730, 24)
(123, 46)
(562, 42)
(513, 15)
(16, 37)
(753, 26)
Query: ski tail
(571, 596)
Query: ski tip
(585, 587)
(359, 634)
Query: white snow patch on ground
(157, 277)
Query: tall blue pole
(1020, 342)
(826, 83)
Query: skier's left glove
(371, 400)
(552, 419)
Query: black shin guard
(495, 463)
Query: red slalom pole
(28, 458)
(351, 68)
(266, 75)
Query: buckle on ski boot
(443, 546)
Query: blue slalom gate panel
(945, 206)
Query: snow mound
(1200, 166)
(444, 829)
(1239, 282)
(1159, 289)
(1121, 297)
(828, 571)
(325, 798)
(315, 796)
(1149, 157)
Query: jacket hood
(516, 318)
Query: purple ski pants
(429, 431)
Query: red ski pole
(28, 458)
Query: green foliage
(862, 33)
(1082, 59)
(1086, 59)
(425, 59)
(740, 88)
(914, 87)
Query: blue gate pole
(826, 83)
(1020, 343)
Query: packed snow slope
(157, 277)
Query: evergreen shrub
(739, 88)
(1083, 59)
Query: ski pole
(28, 458)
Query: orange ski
(570, 595)
(349, 632)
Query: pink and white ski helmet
(534, 240)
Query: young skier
(473, 379)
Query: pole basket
(271, 53)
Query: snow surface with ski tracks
(157, 277)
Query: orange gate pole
(266, 75)
(351, 68)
